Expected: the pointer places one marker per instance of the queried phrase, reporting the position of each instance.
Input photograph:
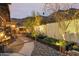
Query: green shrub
(51, 41)
(75, 47)
(61, 43)
(46, 39)
(40, 36)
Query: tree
(62, 24)
(37, 23)
(53, 7)
(33, 22)
(60, 16)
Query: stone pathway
(44, 50)
(26, 50)
(23, 46)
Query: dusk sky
(21, 10)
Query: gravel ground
(44, 50)
(73, 53)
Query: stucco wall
(52, 30)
